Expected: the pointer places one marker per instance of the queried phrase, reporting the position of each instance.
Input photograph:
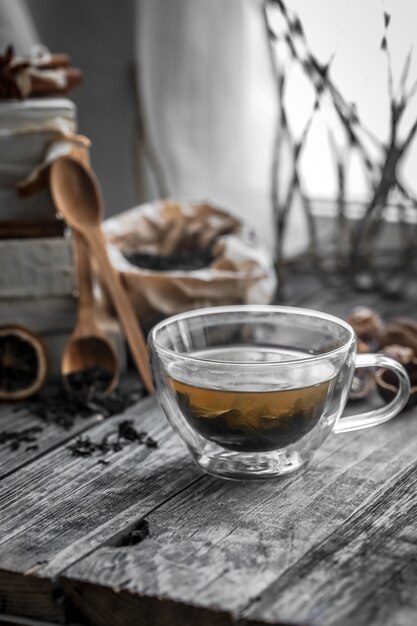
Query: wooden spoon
(77, 196)
(88, 347)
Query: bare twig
(382, 172)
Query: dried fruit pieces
(396, 338)
(23, 363)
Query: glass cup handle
(385, 413)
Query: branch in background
(382, 173)
(366, 233)
(341, 159)
(319, 75)
(281, 210)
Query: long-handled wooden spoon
(88, 347)
(77, 196)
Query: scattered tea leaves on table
(62, 407)
(125, 434)
(16, 438)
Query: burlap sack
(241, 271)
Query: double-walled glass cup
(253, 391)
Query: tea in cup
(253, 391)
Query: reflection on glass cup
(253, 391)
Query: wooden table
(334, 544)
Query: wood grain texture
(60, 508)
(341, 580)
(231, 547)
(332, 545)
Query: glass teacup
(253, 391)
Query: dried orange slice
(23, 363)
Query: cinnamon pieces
(45, 74)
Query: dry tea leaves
(59, 406)
(16, 438)
(62, 406)
(181, 260)
(89, 380)
(126, 433)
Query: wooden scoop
(77, 196)
(88, 347)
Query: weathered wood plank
(218, 552)
(223, 547)
(60, 508)
(341, 580)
